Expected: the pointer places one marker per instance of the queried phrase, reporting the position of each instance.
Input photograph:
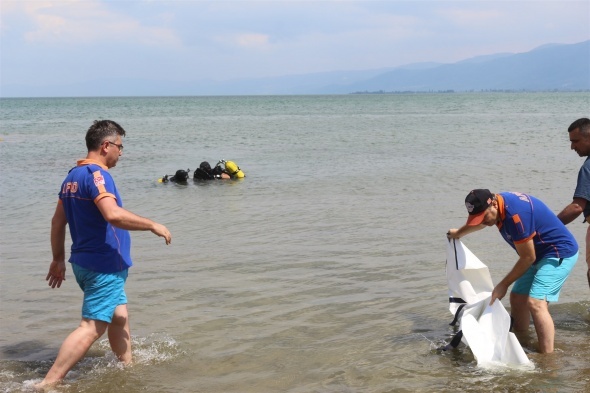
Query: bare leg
(543, 324)
(73, 350)
(120, 335)
(519, 310)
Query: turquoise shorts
(103, 292)
(544, 279)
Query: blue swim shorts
(544, 279)
(103, 292)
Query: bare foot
(44, 386)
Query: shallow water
(321, 271)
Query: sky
(69, 41)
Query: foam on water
(100, 362)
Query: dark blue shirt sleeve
(583, 186)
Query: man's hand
(452, 234)
(57, 273)
(162, 231)
(499, 292)
(526, 257)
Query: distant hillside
(560, 67)
(551, 67)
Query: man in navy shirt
(579, 133)
(91, 206)
(546, 250)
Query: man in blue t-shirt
(579, 133)
(547, 252)
(91, 206)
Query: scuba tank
(232, 169)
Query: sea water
(322, 271)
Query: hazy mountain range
(559, 67)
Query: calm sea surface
(322, 271)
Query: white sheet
(485, 328)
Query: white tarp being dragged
(484, 328)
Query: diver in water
(181, 177)
(222, 170)
(205, 172)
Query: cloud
(66, 40)
(83, 22)
(248, 41)
(471, 18)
